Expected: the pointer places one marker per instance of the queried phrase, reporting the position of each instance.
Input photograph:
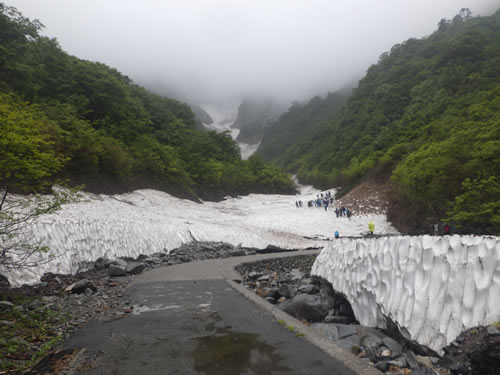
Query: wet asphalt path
(196, 327)
(189, 319)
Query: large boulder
(117, 270)
(305, 306)
(135, 268)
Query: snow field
(432, 287)
(149, 221)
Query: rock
(422, 371)
(238, 253)
(349, 342)
(6, 305)
(386, 353)
(80, 286)
(34, 304)
(253, 275)
(135, 268)
(382, 366)
(273, 292)
(281, 299)
(308, 289)
(337, 319)
(117, 270)
(399, 362)
(329, 330)
(264, 278)
(392, 344)
(271, 300)
(119, 262)
(297, 274)
(424, 361)
(493, 331)
(411, 359)
(6, 323)
(287, 291)
(346, 330)
(305, 306)
(4, 281)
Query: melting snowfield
(149, 221)
(433, 287)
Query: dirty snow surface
(150, 221)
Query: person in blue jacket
(337, 235)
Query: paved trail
(188, 320)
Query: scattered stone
(34, 304)
(271, 300)
(117, 270)
(119, 262)
(6, 305)
(399, 362)
(308, 289)
(392, 344)
(422, 371)
(424, 361)
(135, 268)
(4, 281)
(287, 291)
(493, 331)
(297, 274)
(264, 278)
(80, 287)
(411, 359)
(386, 353)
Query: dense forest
(66, 119)
(425, 118)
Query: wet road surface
(196, 327)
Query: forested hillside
(282, 142)
(69, 119)
(426, 117)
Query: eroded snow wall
(432, 287)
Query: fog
(209, 51)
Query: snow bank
(150, 221)
(432, 287)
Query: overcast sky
(211, 50)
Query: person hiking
(371, 227)
(447, 230)
(435, 227)
(337, 235)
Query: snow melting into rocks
(432, 287)
(150, 221)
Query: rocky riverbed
(286, 282)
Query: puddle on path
(235, 353)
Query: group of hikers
(325, 200)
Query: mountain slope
(427, 117)
(100, 129)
